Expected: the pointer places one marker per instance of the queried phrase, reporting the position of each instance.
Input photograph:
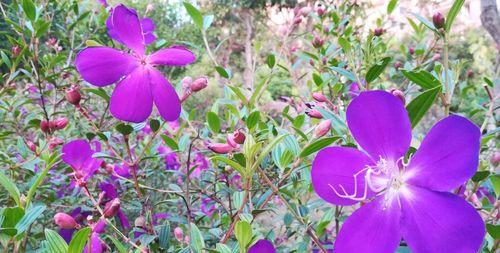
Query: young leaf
(253, 119)
(345, 73)
(207, 21)
(222, 71)
(213, 122)
(119, 246)
(55, 242)
(425, 22)
(271, 60)
(11, 188)
(376, 70)
(29, 217)
(421, 104)
(195, 14)
(390, 7)
(422, 78)
(79, 240)
(452, 14)
(171, 143)
(197, 243)
(243, 233)
(29, 9)
(317, 145)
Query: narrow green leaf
(29, 217)
(495, 181)
(345, 73)
(390, 7)
(222, 248)
(222, 71)
(452, 14)
(207, 21)
(55, 242)
(493, 230)
(197, 243)
(243, 233)
(164, 235)
(317, 145)
(119, 246)
(421, 104)
(124, 128)
(425, 22)
(213, 121)
(422, 78)
(195, 14)
(11, 188)
(253, 119)
(238, 93)
(29, 9)
(79, 240)
(376, 70)
(99, 92)
(231, 163)
(271, 60)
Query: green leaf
(480, 175)
(154, 124)
(99, 92)
(124, 129)
(92, 43)
(346, 46)
(79, 240)
(12, 216)
(197, 243)
(317, 79)
(376, 70)
(390, 7)
(493, 230)
(421, 104)
(253, 119)
(119, 246)
(223, 72)
(495, 181)
(345, 73)
(425, 22)
(317, 145)
(452, 14)
(195, 15)
(55, 242)
(207, 21)
(243, 233)
(271, 60)
(11, 188)
(268, 150)
(422, 78)
(213, 121)
(222, 248)
(29, 217)
(231, 163)
(171, 143)
(164, 235)
(29, 9)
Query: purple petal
(123, 219)
(434, 222)
(380, 124)
(448, 155)
(109, 190)
(132, 100)
(125, 27)
(95, 244)
(172, 56)
(148, 25)
(373, 228)
(164, 96)
(90, 166)
(262, 246)
(102, 66)
(149, 38)
(335, 166)
(76, 153)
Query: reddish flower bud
(65, 75)
(230, 141)
(314, 114)
(44, 125)
(399, 94)
(220, 148)
(470, 73)
(179, 234)
(378, 31)
(54, 142)
(140, 221)
(297, 20)
(65, 221)
(318, 96)
(438, 20)
(16, 50)
(326, 29)
(320, 10)
(186, 81)
(73, 95)
(398, 65)
(322, 128)
(495, 158)
(317, 42)
(436, 57)
(111, 208)
(31, 145)
(199, 84)
(411, 50)
(58, 124)
(239, 137)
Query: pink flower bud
(297, 20)
(317, 42)
(314, 114)
(54, 142)
(44, 125)
(230, 141)
(73, 95)
(436, 57)
(323, 128)
(318, 96)
(411, 50)
(239, 137)
(64, 221)
(58, 124)
(140, 221)
(16, 50)
(31, 145)
(398, 65)
(495, 158)
(220, 148)
(111, 208)
(179, 234)
(399, 94)
(304, 11)
(199, 84)
(378, 31)
(320, 10)
(186, 81)
(438, 20)
(470, 73)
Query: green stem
(447, 95)
(35, 185)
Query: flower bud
(470, 73)
(54, 142)
(304, 11)
(378, 31)
(314, 114)
(186, 81)
(64, 221)
(297, 20)
(140, 221)
(320, 10)
(44, 126)
(411, 50)
(239, 137)
(495, 158)
(58, 124)
(436, 57)
(179, 234)
(399, 94)
(438, 20)
(317, 42)
(220, 148)
(199, 84)
(16, 50)
(31, 146)
(112, 208)
(73, 95)
(319, 97)
(322, 128)
(398, 65)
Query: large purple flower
(78, 154)
(262, 246)
(409, 199)
(139, 82)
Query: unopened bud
(320, 10)
(318, 96)
(438, 20)
(323, 128)
(297, 20)
(304, 11)
(112, 208)
(58, 124)
(44, 126)
(140, 221)
(199, 84)
(470, 73)
(186, 81)
(317, 42)
(399, 94)
(16, 50)
(64, 221)
(179, 234)
(31, 146)
(220, 148)
(378, 31)
(436, 57)
(239, 137)
(495, 158)
(398, 65)
(54, 142)
(73, 95)
(314, 114)
(411, 50)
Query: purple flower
(78, 154)
(407, 199)
(139, 82)
(262, 246)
